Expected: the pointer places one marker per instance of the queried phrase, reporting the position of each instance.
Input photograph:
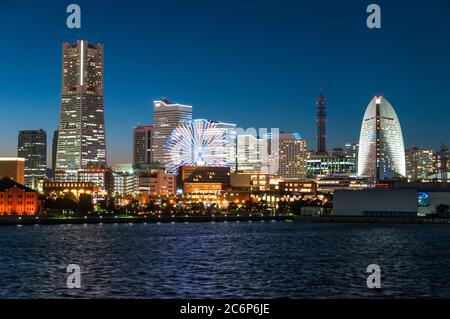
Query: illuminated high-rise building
(381, 152)
(166, 117)
(81, 135)
(443, 164)
(142, 145)
(32, 145)
(292, 156)
(419, 163)
(249, 151)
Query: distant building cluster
(190, 160)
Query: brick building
(16, 198)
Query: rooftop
(11, 158)
(7, 183)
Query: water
(225, 260)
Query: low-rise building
(202, 192)
(61, 189)
(331, 183)
(333, 163)
(296, 187)
(202, 183)
(203, 174)
(124, 184)
(162, 184)
(101, 176)
(376, 203)
(253, 181)
(16, 198)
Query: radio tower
(321, 124)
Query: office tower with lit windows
(292, 156)
(32, 145)
(329, 164)
(441, 165)
(381, 154)
(142, 145)
(166, 117)
(81, 135)
(419, 163)
(124, 184)
(249, 149)
(124, 179)
(351, 150)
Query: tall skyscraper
(166, 117)
(381, 152)
(142, 145)
(321, 124)
(81, 138)
(292, 156)
(32, 145)
(419, 163)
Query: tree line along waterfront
(67, 206)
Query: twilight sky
(256, 63)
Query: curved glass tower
(381, 152)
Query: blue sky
(253, 63)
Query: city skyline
(273, 96)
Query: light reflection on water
(225, 260)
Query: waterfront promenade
(97, 219)
(121, 219)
